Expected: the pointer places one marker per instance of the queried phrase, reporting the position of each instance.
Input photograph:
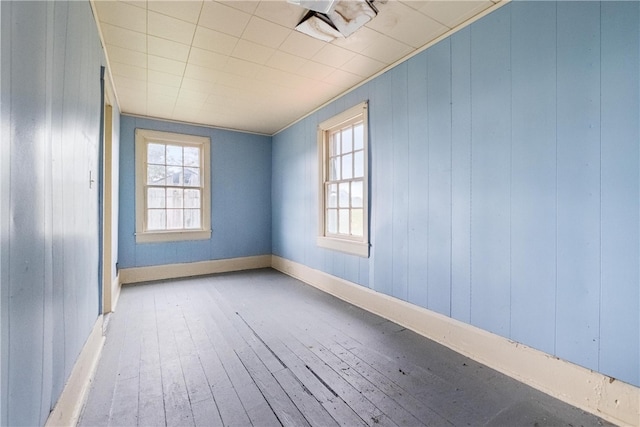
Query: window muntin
(345, 181)
(172, 200)
(342, 148)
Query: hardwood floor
(260, 348)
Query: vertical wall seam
(470, 56)
(555, 299)
(450, 177)
(600, 192)
(511, 7)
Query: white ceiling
(241, 65)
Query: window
(172, 187)
(343, 164)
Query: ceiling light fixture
(342, 18)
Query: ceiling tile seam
(193, 36)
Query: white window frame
(349, 244)
(143, 138)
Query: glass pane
(155, 198)
(347, 166)
(343, 221)
(174, 219)
(347, 140)
(356, 194)
(344, 195)
(334, 168)
(174, 197)
(192, 218)
(332, 221)
(155, 175)
(334, 144)
(156, 219)
(192, 177)
(332, 196)
(358, 137)
(192, 199)
(358, 164)
(174, 175)
(191, 156)
(357, 225)
(174, 155)
(155, 154)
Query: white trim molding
(69, 406)
(606, 397)
(201, 268)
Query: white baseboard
(69, 405)
(173, 271)
(115, 292)
(606, 397)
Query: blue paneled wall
(505, 181)
(50, 114)
(240, 198)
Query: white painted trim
(69, 406)
(107, 203)
(142, 138)
(201, 268)
(115, 292)
(591, 391)
(348, 244)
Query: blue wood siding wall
(505, 181)
(50, 115)
(240, 198)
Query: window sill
(172, 236)
(351, 247)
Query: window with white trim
(343, 164)
(172, 187)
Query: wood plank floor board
(259, 348)
(313, 411)
(253, 402)
(319, 345)
(332, 403)
(245, 344)
(353, 397)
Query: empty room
(319, 213)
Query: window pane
(191, 156)
(347, 140)
(358, 137)
(156, 219)
(332, 196)
(357, 225)
(334, 168)
(358, 164)
(174, 219)
(356, 194)
(347, 167)
(174, 175)
(155, 154)
(192, 199)
(192, 177)
(332, 221)
(344, 195)
(192, 218)
(174, 197)
(343, 221)
(156, 175)
(174, 155)
(155, 198)
(334, 144)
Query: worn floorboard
(260, 348)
